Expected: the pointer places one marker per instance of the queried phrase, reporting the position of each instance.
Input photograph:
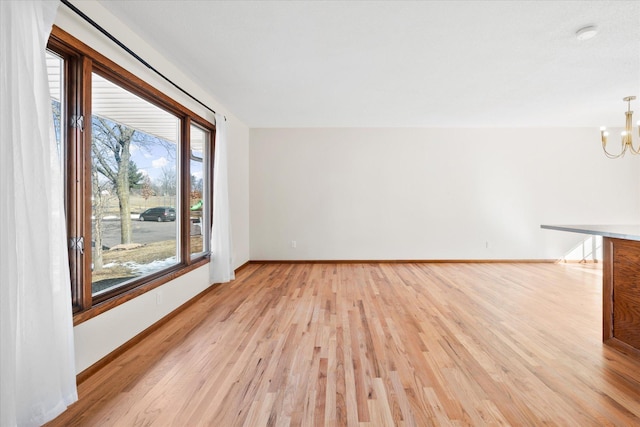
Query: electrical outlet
(158, 298)
(294, 244)
(486, 245)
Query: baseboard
(579, 261)
(82, 376)
(242, 266)
(402, 261)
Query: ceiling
(401, 63)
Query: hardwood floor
(376, 345)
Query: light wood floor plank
(376, 344)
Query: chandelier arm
(611, 156)
(614, 156)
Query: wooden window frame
(80, 61)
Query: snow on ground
(143, 269)
(153, 266)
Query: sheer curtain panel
(221, 266)
(37, 356)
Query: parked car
(158, 214)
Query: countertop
(627, 232)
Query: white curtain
(221, 266)
(37, 356)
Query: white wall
(431, 193)
(101, 335)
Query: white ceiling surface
(401, 64)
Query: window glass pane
(199, 224)
(134, 188)
(55, 67)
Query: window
(55, 70)
(199, 190)
(138, 178)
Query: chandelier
(627, 137)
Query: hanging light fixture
(627, 137)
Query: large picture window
(138, 177)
